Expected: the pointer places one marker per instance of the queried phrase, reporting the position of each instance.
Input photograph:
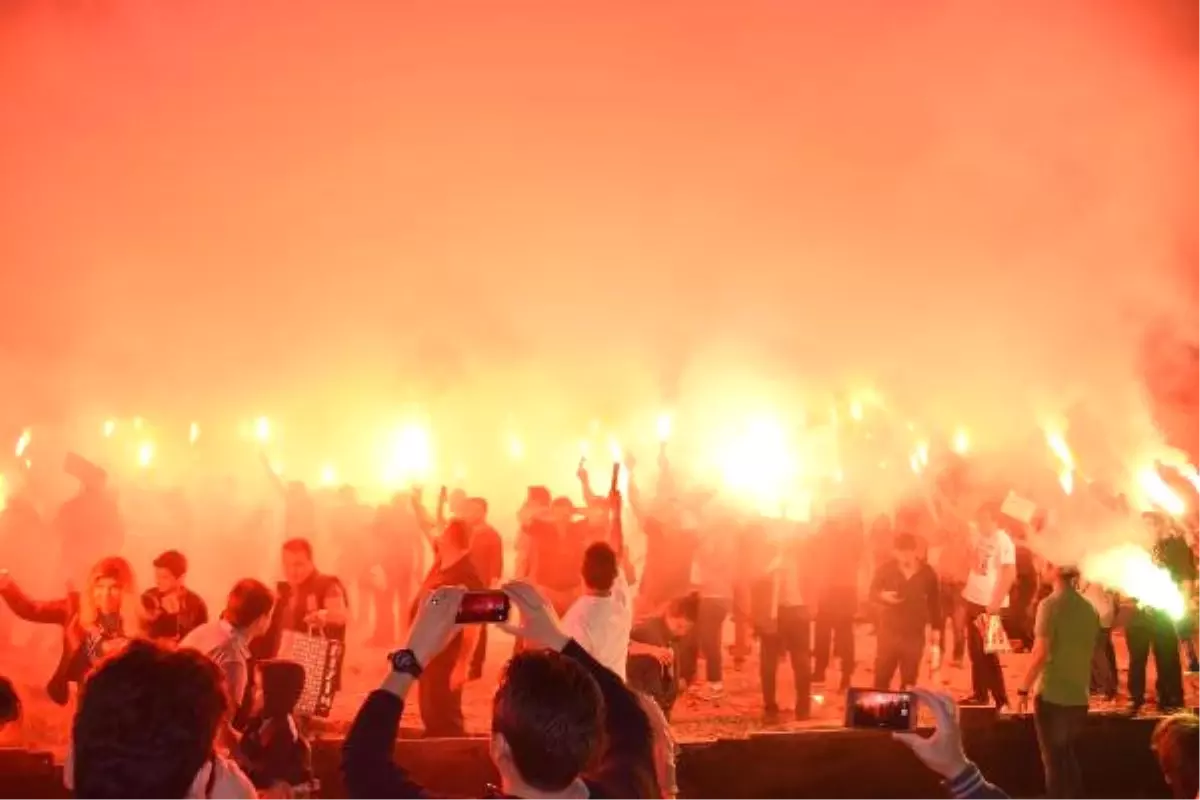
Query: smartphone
(477, 607)
(873, 709)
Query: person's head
(169, 569)
(282, 684)
(248, 608)
(681, 615)
(904, 547)
(599, 568)
(475, 511)
(1176, 743)
(537, 498)
(457, 501)
(987, 518)
(110, 589)
(1060, 574)
(10, 703)
(455, 539)
(146, 723)
(562, 511)
(297, 561)
(547, 722)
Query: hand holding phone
(875, 709)
(483, 607)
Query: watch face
(404, 661)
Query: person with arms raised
(562, 724)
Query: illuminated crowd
(791, 539)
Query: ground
(737, 714)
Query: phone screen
(874, 709)
(483, 607)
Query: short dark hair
(10, 702)
(687, 607)
(1176, 742)
(299, 545)
(481, 502)
(551, 713)
(173, 562)
(599, 567)
(904, 541)
(458, 533)
(249, 600)
(146, 722)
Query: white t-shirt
(988, 555)
(601, 625)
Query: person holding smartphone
(907, 591)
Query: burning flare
(1058, 446)
(1131, 571)
(23, 441)
(664, 427)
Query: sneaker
(771, 715)
(972, 700)
(803, 714)
(1135, 708)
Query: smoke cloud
(533, 215)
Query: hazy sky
(610, 202)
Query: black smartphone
(874, 709)
(493, 606)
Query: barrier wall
(1116, 756)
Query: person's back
(600, 621)
(1071, 624)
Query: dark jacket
(173, 627)
(370, 770)
(75, 661)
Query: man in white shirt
(601, 619)
(993, 570)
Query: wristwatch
(404, 662)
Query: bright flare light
(758, 466)
(262, 429)
(1130, 570)
(193, 432)
(411, 457)
(961, 442)
(1058, 446)
(145, 454)
(919, 459)
(856, 410)
(663, 427)
(328, 475)
(516, 448)
(1159, 493)
(110, 426)
(23, 442)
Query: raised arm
(48, 612)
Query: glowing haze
(532, 215)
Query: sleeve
(201, 611)
(1041, 621)
(236, 678)
(629, 754)
(970, 783)
(49, 612)
(877, 583)
(368, 766)
(933, 596)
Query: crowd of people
(606, 645)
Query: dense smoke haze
(554, 212)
